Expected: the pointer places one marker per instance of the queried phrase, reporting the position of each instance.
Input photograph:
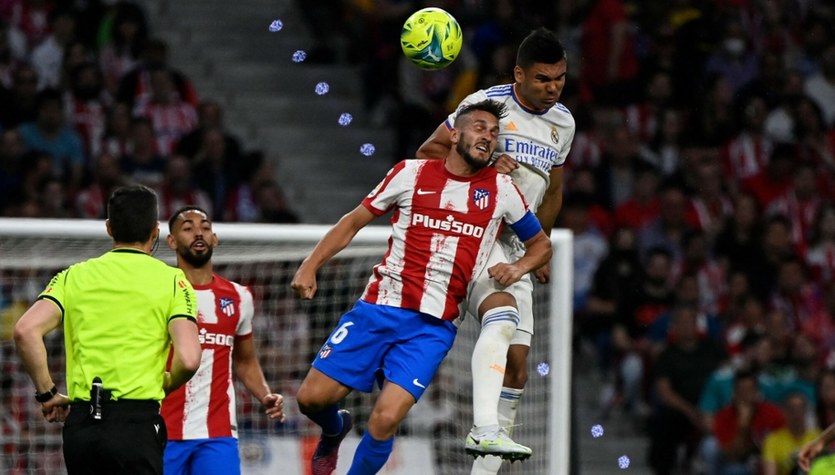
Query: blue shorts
(372, 342)
(216, 456)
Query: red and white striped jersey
(205, 406)
(442, 229)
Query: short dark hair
(184, 209)
(496, 108)
(540, 46)
(133, 213)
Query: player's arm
(248, 370)
(809, 451)
(335, 240)
(537, 250)
(187, 352)
(40, 319)
(437, 146)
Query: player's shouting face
(540, 84)
(478, 137)
(192, 237)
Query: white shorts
(483, 286)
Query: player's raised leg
(318, 399)
(488, 436)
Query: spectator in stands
(50, 133)
(616, 174)
(736, 245)
(747, 153)
(20, 104)
(48, 56)
(820, 86)
(663, 149)
(128, 34)
(216, 170)
(780, 447)
(736, 60)
(714, 122)
(91, 201)
(589, 244)
(710, 205)
(86, 105)
(669, 227)
(170, 116)
(643, 205)
(615, 281)
(610, 65)
(820, 256)
(9, 58)
(741, 427)
(53, 199)
(143, 164)
(798, 299)
(775, 180)
(117, 133)
(30, 17)
(209, 116)
(135, 86)
(272, 204)
(651, 300)
(681, 371)
(178, 190)
(800, 203)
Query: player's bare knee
(498, 299)
(515, 377)
(383, 424)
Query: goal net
(288, 332)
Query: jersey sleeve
(385, 195)
(55, 289)
(184, 303)
(473, 98)
(566, 148)
(247, 311)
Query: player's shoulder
(498, 91)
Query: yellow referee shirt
(116, 310)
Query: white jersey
(538, 140)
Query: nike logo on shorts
(417, 383)
(425, 192)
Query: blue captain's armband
(527, 227)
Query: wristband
(43, 397)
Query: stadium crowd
(700, 186)
(89, 102)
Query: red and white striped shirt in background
(443, 227)
(205, 406)
(170, 121)
(746, 155)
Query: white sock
(488, 365)
(508, 404)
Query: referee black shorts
(129, 439)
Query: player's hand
(807, 453)
(505, 164)
(543, 274)
(304, 283)
(505, 274)
(274, 406)
(56, 409)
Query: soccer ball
(431, 38)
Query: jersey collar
(523, 105)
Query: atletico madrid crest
(481, 198)
(227, 306)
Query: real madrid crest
(555, 137)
